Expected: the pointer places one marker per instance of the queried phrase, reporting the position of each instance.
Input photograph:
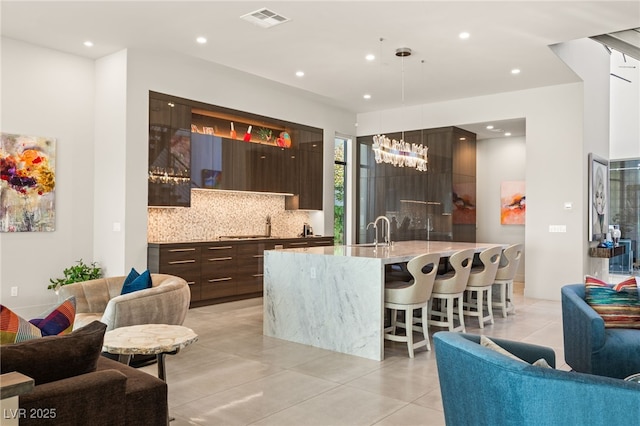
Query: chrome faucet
(387, 236)
(375, 229)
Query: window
(339, 190)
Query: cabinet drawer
(224, 287)
(179, 256)
(250, 285)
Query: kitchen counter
(332, 297)
(238, 238)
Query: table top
(147, 339)
(401, 251)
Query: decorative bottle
(247, 136)
(232, 134)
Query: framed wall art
(513, 206)
(598, 197)
(27, 183)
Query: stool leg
(489, 307)
(425, 325)
(408, 326)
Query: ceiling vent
(265, 18)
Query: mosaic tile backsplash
(218, 213)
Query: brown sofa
(74, 385)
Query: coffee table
(148, 339)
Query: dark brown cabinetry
(437, 204)
(221, 271)
(182, 260)
(191, 146)
(169, 153)
(217, 269)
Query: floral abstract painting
(512, 203)
(27, 183)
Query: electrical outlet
(14, 291)
(312, 273)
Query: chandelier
(400, 153)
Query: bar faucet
(375, 229)
(387, 236)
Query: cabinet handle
(181, 250)
(177, 262)
(191, 282)
(215, 280)
(259, 256)
(299, 244)
(215, 259)
(258, 275)
(221, 248)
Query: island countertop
(401, 251)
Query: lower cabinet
(221, 271)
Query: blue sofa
(591, 348)
(480, 386)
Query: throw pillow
(618, 308)
(490, 344)
(54, 358)
(629, 283)
(141, 282)
(55, 321)
(58, 320)
(14, 328)
(133, 274)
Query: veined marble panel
(329, 302)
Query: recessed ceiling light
(300, 73)
(489, 127)
(88, 43)
(367, 96)
(201, 40)
(515, 71)
(464, 35)
(370, 57)
(508, 134)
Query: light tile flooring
(234, 375)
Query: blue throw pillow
(141, 282)
(133, 274)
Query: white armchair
(166, 302)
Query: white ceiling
(328, 40)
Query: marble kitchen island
(332, 297)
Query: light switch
(116, 226)
(568, 205)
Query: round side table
(148, 339)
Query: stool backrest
(509, 262)
(423, 269)
(461, 262)
(490, 258)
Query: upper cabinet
(195, 145)
(169, 153)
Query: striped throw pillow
(619, 308)
(55, 321)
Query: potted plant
(76, 273)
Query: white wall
(48, 93)
(498, 160)
(625, 108)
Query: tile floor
(234, 375)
